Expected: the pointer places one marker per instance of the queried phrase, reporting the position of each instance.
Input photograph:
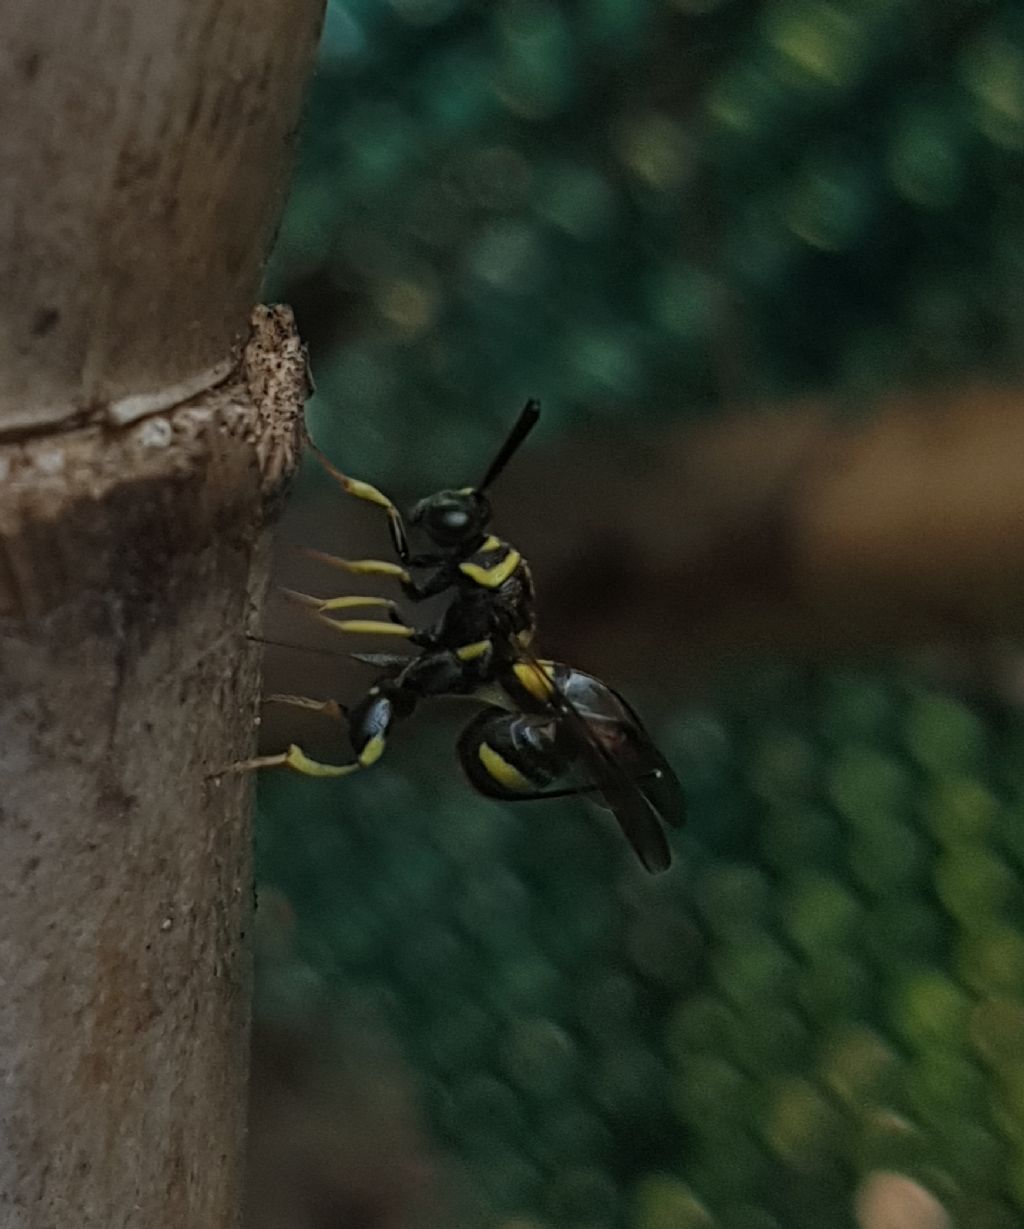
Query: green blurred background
(762, 264)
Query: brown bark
(143, 154)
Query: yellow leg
(358, 567)
(368, 627)
(353, 603)
(363, 490)
(324, 604)
(298, 761)
(318, 608)
(353, 486)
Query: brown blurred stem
(782, 530)
(149, 419)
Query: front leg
(363, 490)
(430, 586)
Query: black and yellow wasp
(549, 719)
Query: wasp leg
(323, 605)
(358, 567)
(369, 723)
(298, 761)
(414, 590)
(363, 490)
(326, 708)
(319, 608)
(353, 602)
(369, 627)
(447, 671)
(391, 699)
(370, 720)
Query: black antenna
(524, 424)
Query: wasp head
(453, 520)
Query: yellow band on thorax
(494, 576)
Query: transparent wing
(641, 760)
(601, 740)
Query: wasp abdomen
(509, 754)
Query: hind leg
(297, 760)
(369, 723)
(392, 698)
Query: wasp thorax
(452, 518)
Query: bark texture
(148, 427)
(125, 681)
(142, 153)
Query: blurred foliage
(827, 986)
(666, 203)
(635, 209)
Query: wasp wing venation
(615, 723)
(637, 816)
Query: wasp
(540, 721)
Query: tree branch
(144, 442)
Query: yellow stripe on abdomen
(507, 775)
